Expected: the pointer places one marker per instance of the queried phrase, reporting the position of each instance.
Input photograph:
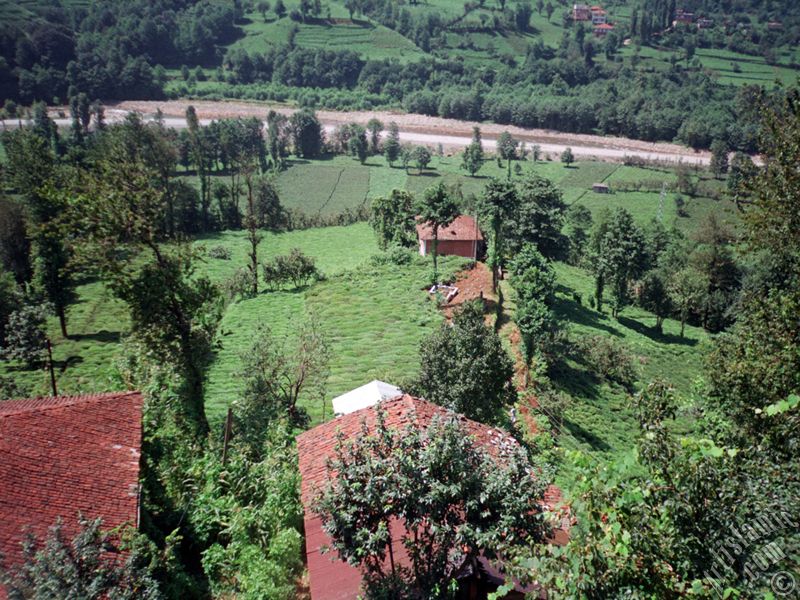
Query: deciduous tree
(464, 367)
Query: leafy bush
(250, 525)
(295, 268)
(239, 285)
(79, 568)
(609, 359)
(394, 255)
(26, 339)
(220, 252)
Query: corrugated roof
(464, 228)
(366, 395)
(64, 455)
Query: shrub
(239, 285)
(394, 255)
(26, 339)
(609, 359)
(295, 268)
(220, 252)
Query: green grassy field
(375, 317)
(341, 182)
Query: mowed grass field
(329, 186)
(375, 316)
(339, 32)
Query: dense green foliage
(464, 367)
(542, 75)
(453, 496)
(84, 567)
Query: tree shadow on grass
(575, 380)
(577, 313)
(587, 437)
(100, 336)
(662, 338)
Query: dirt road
(421, 129)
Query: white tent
(366, 395)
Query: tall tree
(172, 311)
(497, 205)
(472, 159)
(33, 173)
(623, 256)
(464, 367)
(374, 127)
(392, 218)
(719, 158)
(201, 161)
(507, 148)
(254, 238)
(533, 280)
(686, 290)
(306, 133)
(277, 139)
(437, 209)
(391, 147)
(540, 217)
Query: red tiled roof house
(331, 578)
(460, 238)
(63, 456)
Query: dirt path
(421, 129)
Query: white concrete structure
(364, 396)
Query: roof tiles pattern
(464, 228)
(64, 455)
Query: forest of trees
(109, 53)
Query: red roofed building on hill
(63, 456)
(333, 579)
(460, 238)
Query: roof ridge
(18, 406)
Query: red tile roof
(331, 578)
(463, 228)
(64, 455)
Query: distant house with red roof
(603, 29)
(581, 12)
(461, 238)
(63, 456)
(598, 15)
(331, 578)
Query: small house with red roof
(603, 29)
(461, 238)
(598, 15)
(330, 578)
(581, 12)
(65, 456)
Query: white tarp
(364, 396)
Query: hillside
(643, 78)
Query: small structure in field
(460, 238)
(599, 16)
(581, 12)
(367, 395)
(602, 29)
(683, 18)
(601, 188)
(705, 23)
